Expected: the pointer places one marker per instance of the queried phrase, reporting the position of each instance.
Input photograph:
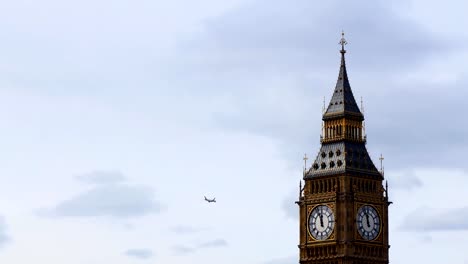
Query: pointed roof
(342, 102)
(343, 156)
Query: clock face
(368, 222)
(321, 222)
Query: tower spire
(342, 102)
(343, 137)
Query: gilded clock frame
(310, 237)
(378, 209)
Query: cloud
(406, 179)
(140, 253)
(181, 229)
(101, 177)
(116, 200)
(184, 250)
(273, 76)
(288, 37)
(181, 250)
(213, 243)
(404, 127)
(426, 239)
(109, 199)
(427, 219)
(4, 238)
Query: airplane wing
(210, 200)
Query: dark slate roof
(343, 157)
(342, 102)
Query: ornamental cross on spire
(342, 42)
(381, 162)
(305, 163)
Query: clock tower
(343, 205)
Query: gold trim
(358, 207)
(309, 211)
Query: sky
(117, 117)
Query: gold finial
(323, 108)
(362, 105)
(381, 163)
(342, 42)
(305, 161)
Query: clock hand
(367, 217)
(321, 219)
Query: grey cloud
(140, 253)
(277, 71)
(111, 199)
(116, 200)
(213, 243)
(289, 36)
(184, 250)
(419, 124)
(431, 219)
(181, 229)
(4, 238)
(101, 177)
(406, 180)
(181, 250)
(426, 239)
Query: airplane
(210, 200)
